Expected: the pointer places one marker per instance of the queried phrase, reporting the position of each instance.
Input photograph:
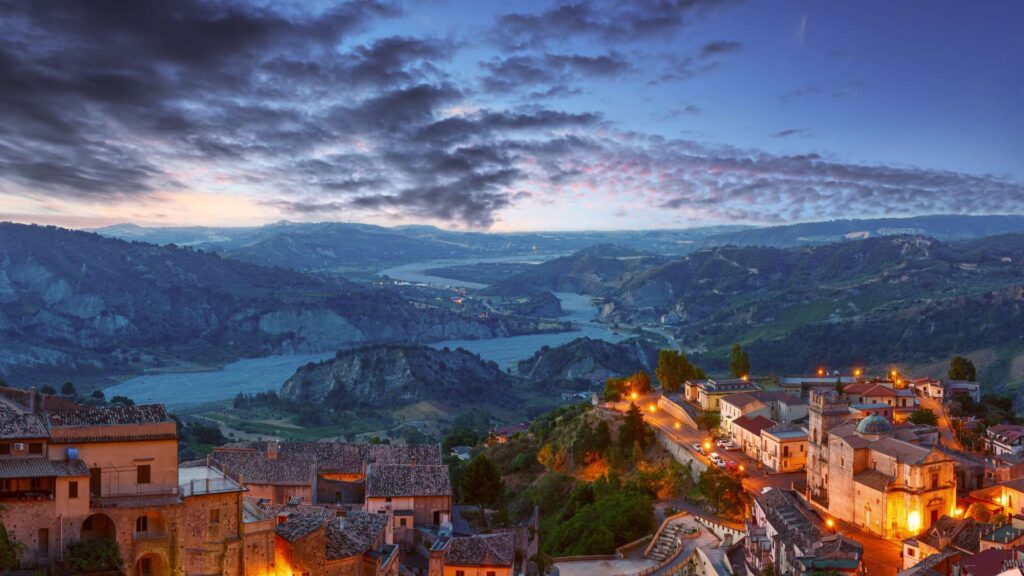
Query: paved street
(946, 434)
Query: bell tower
(827, 409)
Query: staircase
(666, 544)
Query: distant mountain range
(946, 227)
(342, 248)
(75, 303)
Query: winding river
(268, 373)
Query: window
(215, 516)
(935, 479)
(460, 573)
(910, 552)
(142, 475)
(492, 573)
(146, 567)
(35, 448)
(73, 489)
(402, 523)
(5, 449)
(7, 484)
(142, 524)
(36, 483)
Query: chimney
(413, 459)
(33, 400)
(272, 447)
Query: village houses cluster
(72, 473)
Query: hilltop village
(820, 474)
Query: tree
(123, 400)
(739, 362)
(602, 437)
(674, 368)
(613, 390)
(961, 368)
(481, 484)
(98, 394)
(708, 421)
(723, 490)
(68, 389)
(94, 555)
(924, 416)
(633, 429)
(47, 389)
(10, 549)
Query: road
(946, 434)
(881, 556)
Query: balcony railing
(153, 496)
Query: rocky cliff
(392, 375)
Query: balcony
(142, 497)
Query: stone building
(871, 474)
(784, 448)
(708, 393)
(788, 536)
(478, 555)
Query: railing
(208, 486)
(136, 499)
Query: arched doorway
(98, 527)
(150, 565)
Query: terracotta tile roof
(873, 479)
(481, 550)
(299, 526)
(257, 468)
(142, 414)
(1010, 432)
(742, 401)
(754, 425)
(42, 468)
(346, 458)
(46, 401)
(354, 534)
(389, 480)
(986, 563)
(16, 424)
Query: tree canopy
(634, 430)
(924, 416)
(674, 368)
(961, 368)
(739, 362)
(481, 484)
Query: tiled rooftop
(257, 468)
(397, 480)
(42, 468)
(16, 424)
(354, 534)
(346, 458)
(481, 550)
(754, 425)
(142, 414)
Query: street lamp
(707, 444)
(652, 408)
(677, 426)
(830, 523)
(632, 396)
(857, 372)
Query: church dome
(874, 425)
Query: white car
(716, 459)
(721, 442)
(697, 448)
(730, 445)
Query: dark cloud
(556, 70)
(718, 48)
(605, 20)
(789, 132)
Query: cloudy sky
(509, 115)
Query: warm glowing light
(999, 500)
(830, 523)
(893, 372)
(652, 408)
(821, 371)
(957, 512)
(744, 377)
(857, 372)
(742, 467)
(914, 522)
(707, 444)
(632, 396)
(677, 425)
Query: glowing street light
(652, 408)
(707, 444)
(742, 467)
(830, 523)
(857, 372)
(821, 371)
(632, 396)
(744, 377)
(677, 426)
(914, 522)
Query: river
(268, 373)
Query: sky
(509, 116)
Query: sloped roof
(754, 425)
(903, 451)
(17, 424)
(481, 550)
(354, 534)
(257, 468)
(114, 414)
(743, 401)
(389, 480)
(873, 479)
(347, 458)
(42, 468)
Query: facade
(478, 555)
(971, 389)
(708, 393)
(802, 386)
(421, 492)
(747, 434)
(784, 448)
(890, 486)
(743, 404)
(779, 406)
(1004, 439)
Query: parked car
(730, 445)
(697, 448)
(716, 459)
(721, 442)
